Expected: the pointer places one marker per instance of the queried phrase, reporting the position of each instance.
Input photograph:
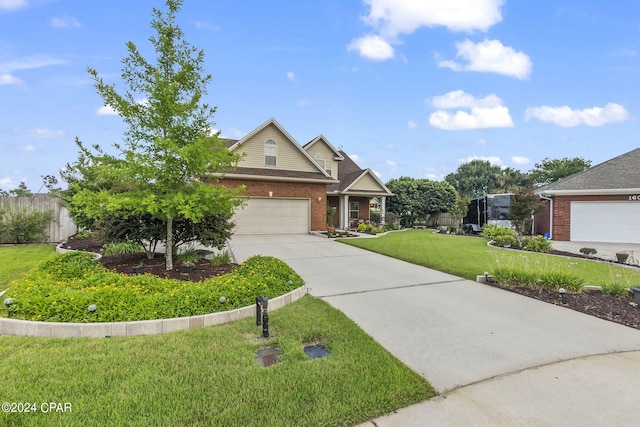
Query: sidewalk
(606, 251)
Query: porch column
(383, 209)
(344, 214)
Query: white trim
(273, 122)
(276, 178)
(594, 192)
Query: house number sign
(635, 198)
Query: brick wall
(562, 211)
(315, 192)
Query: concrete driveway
(496, 357)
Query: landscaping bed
(619, 309)
(124, 263)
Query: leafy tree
(460, 208)
(524, 204)
(21, 191)
(475, 178)
(168, 150)
(509, 180)
(419, 198)
(552, 170)
(50, 182)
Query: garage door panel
(273, 216)
(605, 222)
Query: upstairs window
(324, 164)
(270, 152)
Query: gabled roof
(619, 175)
(320, 139)
(350, 174)
(317, 175)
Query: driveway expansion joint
(368, 291)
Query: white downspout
(550, 215)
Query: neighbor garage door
(273, 216)
(605, 222)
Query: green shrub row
(62, 288)
(536, 244)
(492, 232)
(24, 226)
(546, 279)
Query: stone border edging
(29, 328)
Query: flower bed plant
(61, 289)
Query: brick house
(599, 204)
(287, 186)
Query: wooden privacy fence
(62, 226)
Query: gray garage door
(273, 216)
(615, 222)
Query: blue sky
(406, 87)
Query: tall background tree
(524, 204)
(168, 149)
(475, 178)
(419, 198)
(552, 170)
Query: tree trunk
(168, 253)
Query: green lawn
(16, 261)
(209, 376)
(468, 257)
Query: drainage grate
(316, 351)
(267, 356)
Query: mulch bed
(124, 263)
(594, 303)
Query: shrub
(617, 288)
(123, 248)
(24, 226)
(363, 227)
(516, 276)
(222, 258)
(505, 241)
(491, 232)
(560, 279)
(61, 289)
(588, 251)
(536, 244)
(189, 256)
(395, 225)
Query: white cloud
(372, 47)
(411, 124)
(519, 160)
(291, 75)
(30, 62)
(354, 157)
(393, 17)
(490, 56)
(42, 133)
(494, 160)
(27, 148)
(565, 116)
(487, 112)
(12, 4)
(391, 163)
(203, 25)
(65, 21)
(461, 99)
(8, 79)
(304, 102)
(106, 110)
(378, 174)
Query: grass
(62, 287)
(209, 376)
(18, 260)
(468, 257)
(206, 376)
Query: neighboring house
(288, 186)
(599, 204)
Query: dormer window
(324, 164)
(270, 152)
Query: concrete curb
(28, 328)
